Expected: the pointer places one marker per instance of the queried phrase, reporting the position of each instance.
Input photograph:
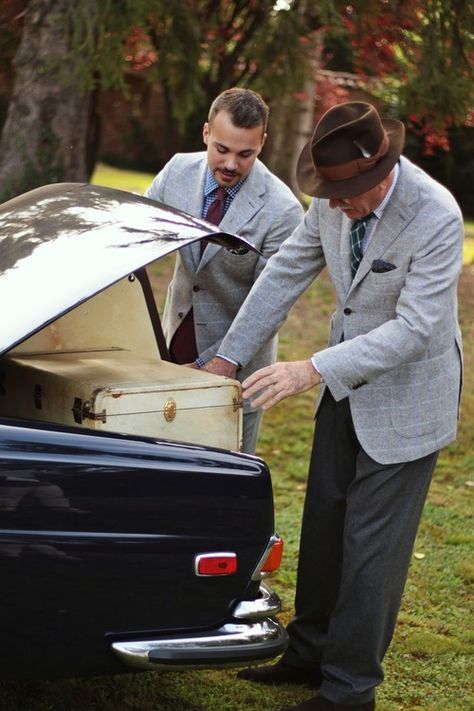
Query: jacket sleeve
(287, 274)
(281, 229)
(155, 191)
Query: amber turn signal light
(273, 560)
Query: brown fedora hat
(352, 150)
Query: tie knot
(365, 220)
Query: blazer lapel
(345, 251)
(247, 202)
(193, 188)
(396, 216)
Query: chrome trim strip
(228, 645)
(267, 605)
(257, 573)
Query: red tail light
(215, 564)
(273, 559)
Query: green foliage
(207, 46)
(97, 34)
(421, 51)
(199, 47)
(439, 70)
(174, 34)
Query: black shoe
(282, 673)
(319, 703)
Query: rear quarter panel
(98, 534)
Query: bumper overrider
(252, 635)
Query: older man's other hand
(278, 381)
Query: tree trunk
(290, 127)
(45, 135)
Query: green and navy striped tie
(357, 235)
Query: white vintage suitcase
(121, 391)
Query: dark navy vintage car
(119, 550)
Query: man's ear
(264, 138)
(205, 133)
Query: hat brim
(311, 183)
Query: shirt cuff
(229, 360)
(321, 378)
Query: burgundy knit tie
(183, 345)
(215, 211)
(216, 208)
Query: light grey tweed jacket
(400, 360)
(264, 211)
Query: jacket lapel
(345, 251)
(193, 188)
(247, 202)
(396, 216)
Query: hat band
(353, 167)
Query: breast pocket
(240, 264)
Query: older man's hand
(278, 381)
(221, 366)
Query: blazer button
(180, 314)
(196, 287)
(347, 311)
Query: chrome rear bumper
(255, 638)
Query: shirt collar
(378, 212)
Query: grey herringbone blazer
(264, 211)
(400, 360)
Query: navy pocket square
(239, 250)
(379, 266)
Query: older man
(391, 238)
(228, 186)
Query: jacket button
(347, 311)
(180, 314)
(195, 287)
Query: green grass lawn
(429, 665)
(122, 179)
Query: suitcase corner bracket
(83, 411)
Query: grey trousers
(251, 430)
(359, 525)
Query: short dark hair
(246, 108)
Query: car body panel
(100, 531)
(98, 536)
